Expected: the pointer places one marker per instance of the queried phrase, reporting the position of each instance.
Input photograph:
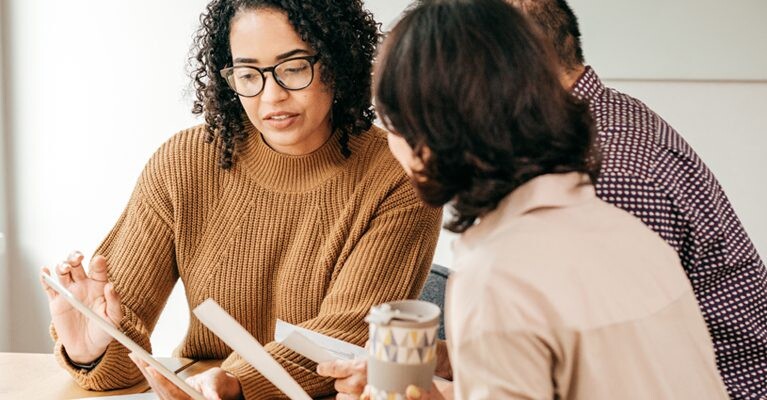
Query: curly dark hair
(342, 32)
(472, 82)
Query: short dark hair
(558, 23)
(343, 33)
(471, 81)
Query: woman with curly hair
(285, 204)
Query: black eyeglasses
(292, 74)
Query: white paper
(315, 346)
(236, 337)
(137, 350)
(319, 348)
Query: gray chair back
(434, 292)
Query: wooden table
(27, 376)
(30, 376)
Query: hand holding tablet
(110, 329)
(83, 340)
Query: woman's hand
(351, 381)
(351, 377)
(213, 384)
(416, 393)
(83, 340)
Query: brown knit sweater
(314, 240)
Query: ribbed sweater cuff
(114, 371)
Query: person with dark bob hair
(286, 204)
(555, 294)
(521, 125)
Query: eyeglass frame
(311, 59)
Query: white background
(94, 87)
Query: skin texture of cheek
(404, 154)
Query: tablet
(122, 338)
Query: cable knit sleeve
(389, 260)
(141, 264)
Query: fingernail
(74, 255)
(413, 392)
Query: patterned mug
(402, 351)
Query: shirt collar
(588, 86)
(545, 191)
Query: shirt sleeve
(389, 262)
(141, 264)
(503, 365)
(726, 272)
(713, 234)
(499, 348)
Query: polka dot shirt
(650, 171)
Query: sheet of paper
(236, 337)
(121, 337)
(315, 346)
(318, 347)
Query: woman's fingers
(75, 258)
(63, 271)
(76, 266)
(162, 387)
(413, 392)
(209, 392)
(113, 309)
(351, 376)
(341, 368)
(140, 364)
(48, 290)
(142, 367)
(353, 385)
(77, 273)
(98, 269)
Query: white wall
(96, 86)
(5, 295)
(679, 39)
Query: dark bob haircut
(342, 32)
(471, 81)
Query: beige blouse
(559, 295)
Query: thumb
(114, 311)
(209, 392)
(413, 392)
(98, 269)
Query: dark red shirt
(649, 170)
